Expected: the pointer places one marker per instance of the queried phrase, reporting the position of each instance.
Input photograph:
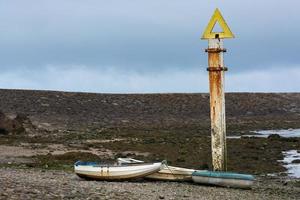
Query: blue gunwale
(97, 164)
(86, 163)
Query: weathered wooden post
(216, 71)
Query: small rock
(161, 197)
(274, 136)
(4, 194)
(249, 113)
(296, 161)
(74, 191)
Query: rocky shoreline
(177, 112)
(43, 133)
(52, 184)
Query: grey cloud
(114, 80)
(144, 36)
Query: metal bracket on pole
(212, 69)
(215, 50)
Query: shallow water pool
(283, 133)
(286, 133)
(293, 169)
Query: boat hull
(224, 179)
(116, 172)
(169, 173)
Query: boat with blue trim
(97, 171)
(225, 179)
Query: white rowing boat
(167, 173)
(91, 170)
(170, 173)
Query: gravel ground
(48, 184)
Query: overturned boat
(96, 171)
(225, 179)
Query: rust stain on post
(217, 104)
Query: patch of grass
(14, 165)
(297, 183)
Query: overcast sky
(133, 46)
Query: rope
(164, 162)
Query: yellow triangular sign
(217, 18)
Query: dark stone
(274, 136)
(204, 166)
(180, 160)
(21, 118)
(15, 126)
(149, 141)
(296, 161)
(3, 131)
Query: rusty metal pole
(217, 103)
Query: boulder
(12, 125)
(274, 136)
(296, 161)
